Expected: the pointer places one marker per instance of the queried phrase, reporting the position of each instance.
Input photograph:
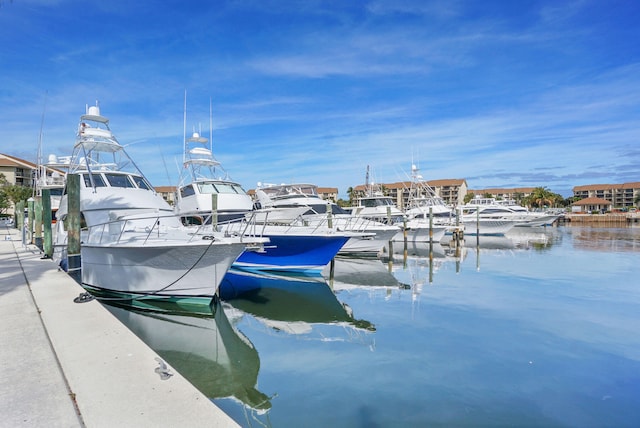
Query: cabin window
(225, 188)
(187, 191)
(207, 188)
(239, 190)
(98, 181)
(117, 180)
(141, 182)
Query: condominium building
(620, 195)
(514, 194)
(452, 191)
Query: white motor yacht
(133, 245)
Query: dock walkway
(68, 364)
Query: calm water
(539, 328)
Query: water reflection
(205, 348)
(606, 239)
(349, 272)
(517, 239)
(292, 305)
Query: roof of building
(6, 160)
(592, 201)
(502, 191)
(587, 187)
(165, 189)
(327, 190)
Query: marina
(533, 328)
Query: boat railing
(144, 228)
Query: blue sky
(500, 93)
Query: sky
(500, 93)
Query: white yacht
(133, 245)
(372, 236)
(490, 208)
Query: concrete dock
(67, 364)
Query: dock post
(37, 207)
(404, 233)
(31, 215)
(47, 244)
(73, 226)
(430, 226)
(329, 217)
(477, 227)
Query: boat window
(141, 182)
(55, 191)
(225, 188)
(337, 209)
(207, 188)
(118, 180)
(187, 191)
(239, 190)
(98, 181)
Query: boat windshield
(376, 202)
(220, 187)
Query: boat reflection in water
(291, 305)
(205, 348)
(517, 239)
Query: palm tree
(541, 197)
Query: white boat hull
(158, 270)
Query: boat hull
(304, 254)
(158, 271)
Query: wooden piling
(37, 207)
(73, 224)
(47, 244)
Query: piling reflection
(292, 305)
(205, 348)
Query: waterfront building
(20, 172)
(589, 205)
(513, 194)
(168, 193)
(452, 191)
(619, 195)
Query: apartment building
(452, 191)
(168, 193)
(620, 195)
(514, 194)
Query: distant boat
(372, 236)
(133, 245)
(498, 217)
